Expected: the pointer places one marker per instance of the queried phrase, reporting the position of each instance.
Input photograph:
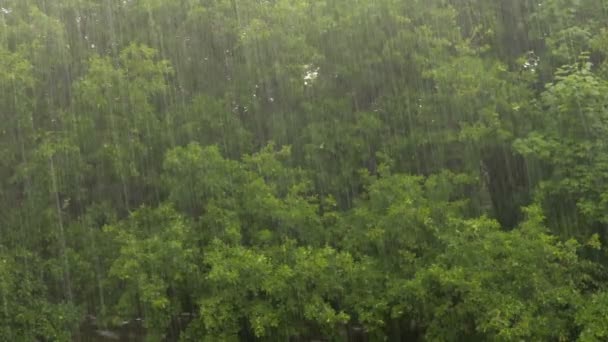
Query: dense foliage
(282, 170)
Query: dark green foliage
(304, 170)
(26, 314)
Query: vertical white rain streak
(114, 133)
(66, 265)
(122, 166)
(113, 43)
(3, 26)
(3, 291)
(98, 272)
(147, 112)
(234, 87)
(5, 306)
(23, 221)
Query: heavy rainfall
(303, 170)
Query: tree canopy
(298, 170)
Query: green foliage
(155, 262)
(25, 313)
(592, 318)
(498, 286)
(304, 170)
(571, 144)
(286, 291)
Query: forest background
(280, 170)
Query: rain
(303, 170)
